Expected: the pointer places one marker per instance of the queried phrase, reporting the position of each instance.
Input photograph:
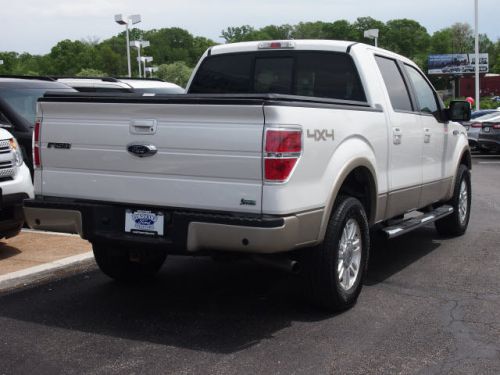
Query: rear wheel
(456, 223)
(124, 264)
(335, 269)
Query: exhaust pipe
(284, 264)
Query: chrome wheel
(463, 202)
(349, 259)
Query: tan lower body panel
(297, 231)
(54, 220)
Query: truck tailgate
(208, 156)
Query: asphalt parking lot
(430, 305)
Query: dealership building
(489, 84)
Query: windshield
(23, 101)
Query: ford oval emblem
(141, 150)
(144, 218)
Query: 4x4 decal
(320, 134)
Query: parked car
(489, 135)
(18, 98)
(152, 86)
(15, 185)
(124, 85)
(105, 84)
(474, 126)
(291, 151)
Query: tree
(90, 73)
(177, 72)
(462, 38)
(239, 34)
(407, 37)
(365, 23)
(69, 57)
(309, 30)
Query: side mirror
(459, 110)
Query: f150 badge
(320, 134)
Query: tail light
(36, 144)
(282, 150)
(282, 44)
(496, 125)
(476, 125)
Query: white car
(153, 86)
(105, 84)
(15, 185)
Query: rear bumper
(489, 142)
(186, 231)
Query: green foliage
(177, 72)
(171, 46)
(90, 73)
(407, 37)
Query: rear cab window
(319, 74)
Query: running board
(416, 222)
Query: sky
(35, 26)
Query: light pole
(151, 70)
(476, 25)
(372, 34)
(139, 44)
(119, 19)
(145, 60)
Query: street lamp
(146, 59)
(372, 34)
(139, 44)
(151, 70)
(119, 19)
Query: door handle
(397, 136)
(143, 126)
(427, 135)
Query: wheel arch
(465, 158)
(357, 179)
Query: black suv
(18, 97)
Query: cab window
(425, 94)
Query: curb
(46, 272)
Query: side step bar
(408, 225)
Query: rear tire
(335, 269)
(122, 264)
(456, 224)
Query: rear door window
(304, 73)
(395, 84)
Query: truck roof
(306, 44)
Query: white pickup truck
(285, 149)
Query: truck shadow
(7, 251)
(195, 303)
(388, 257)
